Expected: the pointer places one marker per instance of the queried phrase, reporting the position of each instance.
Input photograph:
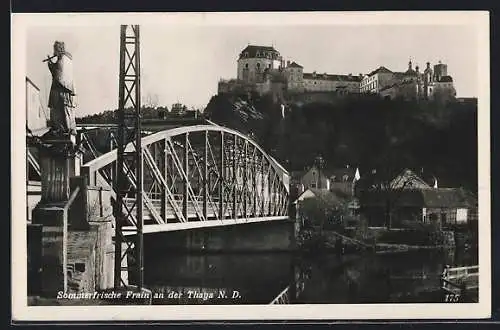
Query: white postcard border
(21, 312)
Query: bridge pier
(69, 247)
(265, 236)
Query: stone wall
(81, 261)
(104, 254)
(91, 258)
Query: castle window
(246, 66)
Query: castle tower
(428, 80)
(254, 60)
(420, 87)
(440, 70)
(428, 74)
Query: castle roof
(332, 77)
(294, 65)
(411, 72)
(381, 69)
(252, 51)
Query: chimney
(287, 64)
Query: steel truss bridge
(192, 177)
(195, 176)
(180, 178)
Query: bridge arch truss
(198, 173)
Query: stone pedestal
(58, 163)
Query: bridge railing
(458, 279)
(459, 272)
(282, 298)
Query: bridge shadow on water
(218, 278)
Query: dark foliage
(363, 131)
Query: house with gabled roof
(413, 200)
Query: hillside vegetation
(363, 131)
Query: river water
(258, 278)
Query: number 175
(451, 297)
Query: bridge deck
(155, 228)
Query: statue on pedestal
(59, 155)
(62, 102)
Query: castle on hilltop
(262, 69)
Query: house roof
(447, 197)
(408, 179)
(326, 173)
(294, 65)
(430, 198)
(323, 194)
(340, 172)
(381, 69)
(253, 49)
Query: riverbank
(343, 243)
(381, 248)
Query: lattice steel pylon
(129, 183)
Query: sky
(184, 63)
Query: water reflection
(379, 278)
(258, 278)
